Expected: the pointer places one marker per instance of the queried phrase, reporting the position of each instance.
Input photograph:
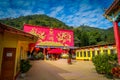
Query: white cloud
(88, 16)
(40, 12)
(56, 10)
(72, 12)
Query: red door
(8, 64)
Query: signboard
(50, 36)
(9, 54)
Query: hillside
(84, 35)
(42, 20)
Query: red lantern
(48, 48)
(37, 49)
(31, 47)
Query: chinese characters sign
(50, 36)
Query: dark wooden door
(8, 64)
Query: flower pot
(69, 61)
(23, 75)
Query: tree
(84, 39)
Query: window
(93, 53)
(77, 54)
(84, 54)
(21, 53)
(98, 52)
(88, 53)
(80, 54)
(112, 51)
(105, 51)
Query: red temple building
(51, 40)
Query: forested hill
(83, 35)
(86, 36)
(42, 20)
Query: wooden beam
(112, 7)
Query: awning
(62, 47)
(55, 51)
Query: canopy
(55, 51)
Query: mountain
(84, 35)
(110, 35)
(42, 20)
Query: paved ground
(60, 70)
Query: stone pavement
(61, 70)
(79, 70)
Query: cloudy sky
(71, 12)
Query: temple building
(88, 52)
(51, 40)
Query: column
(44, 53)
(117, 39)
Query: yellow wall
(1, 39)
(21, 51)
(93, 51)
(12, 40)
(22, 48)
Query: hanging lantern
(37, 49)
(31, 47)
(48, 48)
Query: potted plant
(24, 66)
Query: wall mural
(51, 37)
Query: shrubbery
(103, 64)
(25, 65)
(39, 56)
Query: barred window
(112, 51)
(84, 53)
(98, 52)
(88, 53)
(105, 51)
(80, 54)
(77, 54)
(93, 53)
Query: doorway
(8, 64)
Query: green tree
(84, 39)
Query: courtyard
(61, 70)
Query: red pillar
(117, 39)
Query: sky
(71, 12)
